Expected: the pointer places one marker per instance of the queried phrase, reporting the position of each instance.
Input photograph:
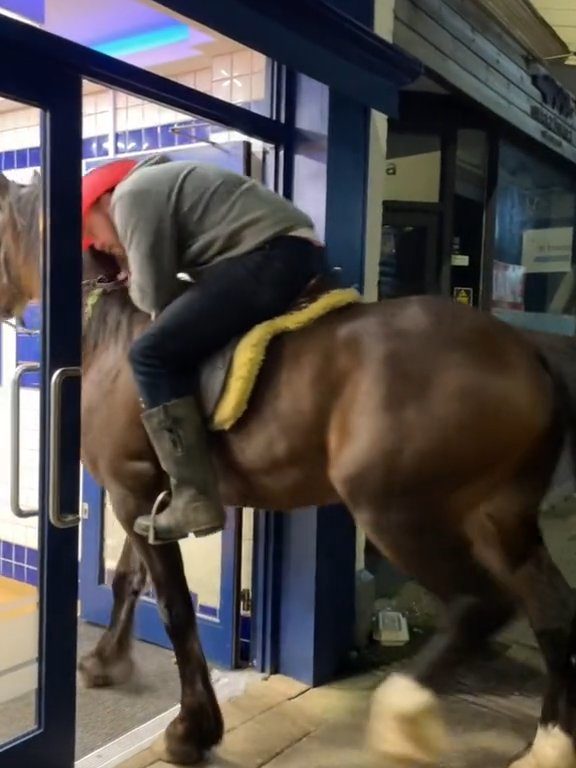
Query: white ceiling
(561, 15)
(90, 22)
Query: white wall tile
(242, 63)
(203, 80)
(103, 101)
(221, 67)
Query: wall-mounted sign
(553, 94)
(463, 295)
(460, 260)
(508, 285)
(547, 250)
(413, 178)
(552, 122)
(556, 112)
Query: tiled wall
(19, 562)
(138, 125)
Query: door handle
(15, 506)
(59, 520)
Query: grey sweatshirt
(174, 216)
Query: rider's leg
(228, 299)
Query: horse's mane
(112, 319)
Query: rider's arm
(147, 230)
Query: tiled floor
(279, 724)
(18, 654)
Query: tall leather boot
(177, 432)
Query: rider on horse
(246, 255)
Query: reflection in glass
(536, 208)
(19, 540)
(403, 261)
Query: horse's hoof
(96, 672)
(552, 748)
(406, 726)
(171, 750)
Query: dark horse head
(21, 227)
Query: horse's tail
(558, 356)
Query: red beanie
(99, 182)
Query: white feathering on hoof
(405, 722)
(552, 748)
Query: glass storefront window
(534, 236)
(116, 124)
(468, 216)
(159, 40)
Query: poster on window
(547, 250)
(508, 286)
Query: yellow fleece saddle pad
(227, 380)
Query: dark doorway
(409, 263)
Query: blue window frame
(42, 82)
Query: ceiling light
(123, 47)
(18, 17)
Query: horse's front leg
(199, 725)
(110, 663)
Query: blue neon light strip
(145, 41)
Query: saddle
(227, 379)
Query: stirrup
(152, 530)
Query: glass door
(213, 564)
(409, 252)
(39, 407)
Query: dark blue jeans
(227, 300)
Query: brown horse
(438, 426)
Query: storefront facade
(481, 166)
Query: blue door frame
(43, 83)
(217, 626)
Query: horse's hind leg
(199, 726)
(406, 723)
(471, 620)
(514, 551)
(110, 663)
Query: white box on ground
(390, 628)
